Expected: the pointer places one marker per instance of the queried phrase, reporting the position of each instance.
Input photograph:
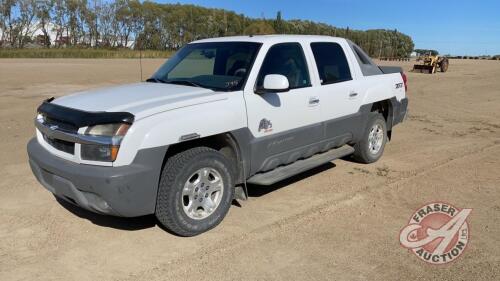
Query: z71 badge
(399, 85)
(265, 125)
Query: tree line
(421, 52)
(150, 25)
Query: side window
(331, 62)
(286, 59)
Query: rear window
(367, 66)
(331, 62)
(361, 56)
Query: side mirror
(274, 83)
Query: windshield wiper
(184, 82)
(155, 80)
(177, 82)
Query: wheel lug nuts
(206, 195)
(196, 197)
(196, 189)
(201, 199)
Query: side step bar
(299, 166)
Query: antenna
(140, 60)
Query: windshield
(222, 66)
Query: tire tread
(360, 148)
(173, 167)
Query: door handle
(313, 101)
(353, 94)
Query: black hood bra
(81, 118)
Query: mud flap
(239, 193)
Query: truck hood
(141, 99)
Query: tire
(363, 150)
(444, 65)
(186, 179)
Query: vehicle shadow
(272, 98)
(149, 221)
(350, 158)
(259, 190)
(129, 224)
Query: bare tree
(124, 21)
(106, 18)
(6, 10)
(61, 20)
(44, 15)
(26, 21)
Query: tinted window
(367, 66)
(222, 66)
(331, 62)
(286, 59)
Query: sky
(452, 27)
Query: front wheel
(371, 147)
(195, 191)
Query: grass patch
(82, 53)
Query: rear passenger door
(338, 92)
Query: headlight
(104, 152)
(108, 130)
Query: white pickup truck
(219, 114)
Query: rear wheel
(195, 191)
(444, 65)
(371, 147)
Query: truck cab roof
(272, 39)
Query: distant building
(51, 33)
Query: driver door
(286, 126)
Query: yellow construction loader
(429, 64)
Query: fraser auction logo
(437, 233)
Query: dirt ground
(340, 221)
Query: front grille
(63, 126)
(65, 146)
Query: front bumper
(127, 191)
